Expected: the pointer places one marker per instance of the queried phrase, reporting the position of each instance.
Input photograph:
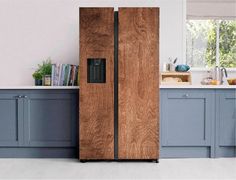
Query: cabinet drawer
(186, 94)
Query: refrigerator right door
(138, 84)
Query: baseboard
(38, 152)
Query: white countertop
(39, 87)
(161, 86)
(198, 86)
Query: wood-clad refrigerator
(119, 84)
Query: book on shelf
(64, 75)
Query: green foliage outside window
(202, 39)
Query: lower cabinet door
(186, 123)
(50, 120)
(11, 120)
(226, 123)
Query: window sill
(209, 69)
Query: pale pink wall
(32, 30)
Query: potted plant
(37, 78)
(46, 71)
(46, 67)
(43, 74)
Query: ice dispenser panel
(96, 70)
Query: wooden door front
(138, 88)
(96, 132)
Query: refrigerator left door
(96, 126)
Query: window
(211, 43)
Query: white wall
(32, 30)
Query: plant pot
(38, 82)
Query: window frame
(217, 49)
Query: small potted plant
(46, 71)
(43, 74)
(38, 78)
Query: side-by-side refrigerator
(119, 84)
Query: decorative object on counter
(232, 81)
(208, 79)
(37, 78)
(65, 75)
(170, 66)
(218, 75)
(182, 68)
(44, 69)
(47, 80)
(175, 78)
(49, 74)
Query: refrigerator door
(138, 89)
(96, 132)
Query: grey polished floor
(72, 169)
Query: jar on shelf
(47, 80)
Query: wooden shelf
(175, 78)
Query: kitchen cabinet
(198, 123)
(226, 123)
(11, 120)
(50, 120)
(38, 123)
(186, 123)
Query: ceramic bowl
(182, 68)
(232, 81)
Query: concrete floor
(72, 169)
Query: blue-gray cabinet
(226, 123)
(198, 123)
(38, 123)
(186, 121)
(11, 120)
(50, 120)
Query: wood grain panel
(138, 83)
(97, 100)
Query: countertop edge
(197, 86)
(77, 87)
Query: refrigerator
(119, 84)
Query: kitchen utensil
(175, 60)
(218, 75)
(168, 67)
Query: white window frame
(185, 45)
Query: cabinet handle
(186, 95)
(20, 97)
